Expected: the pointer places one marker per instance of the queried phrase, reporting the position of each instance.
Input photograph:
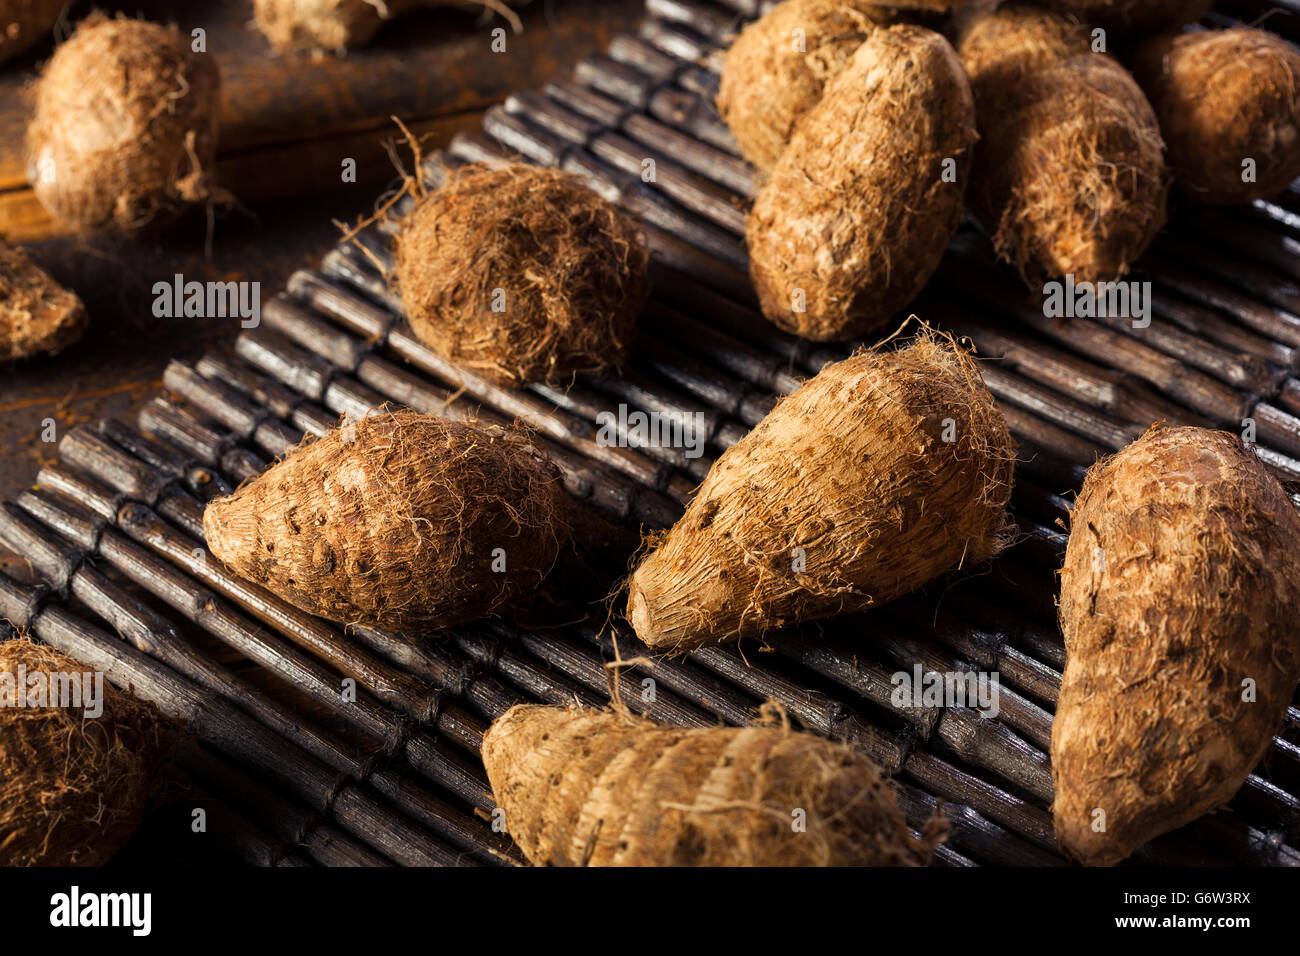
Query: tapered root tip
(211, 527)
(225, 541)
(638, 612)
(1088, 847)
(662, 613)
(648, 617)
(520, 746)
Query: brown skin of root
(1195, 589)
(394, 520)
(768, 85)
(339, 24)
(36, 313)
(853, 469)
(72, 788)
(1221, 97)
(571, 269)
(1069, 176)
(1128, 17)
(133, 148)
(1001, 46)
(857, 213)
(321, 24)
(919, 6)
(25, 23)
(604, 788)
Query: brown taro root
(999, 47)
(522, 274)
(1135, 16)
(340, 24)
(36, 313)
(400, 520)
(779, 65)
(859, 210)
(1179, 601)
(1228, 102)
(604, 788)
(1069, 176)
(125, 127)
(73, 783)
(25, 23)
(882, 472)
(923, 6)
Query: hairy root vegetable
(1136, 16)
(25, 23)
(522, 274)
(922, 6)
(879, 474)
(1228, 102)
(1069, 176)
(604, 788)
(125, 126)
(859, 210)
(400, 520)
(36, 313)
(1001, 47)
(73, 785)
(779, 65)
(340, 24)
(1179, 601)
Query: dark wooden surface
(436, 69)
(287, 123)
(994, 780)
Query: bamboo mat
(394, 777)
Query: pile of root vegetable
(873, 134)
(1030, 116)
(1061, 126)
